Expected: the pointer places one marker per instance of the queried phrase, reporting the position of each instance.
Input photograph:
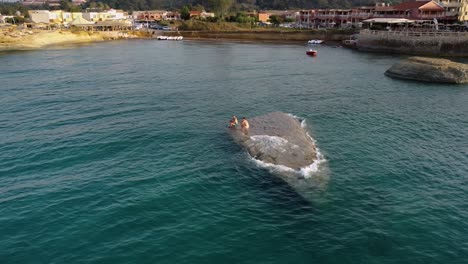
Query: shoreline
(265, 36)
(14, 39)
(268, 42)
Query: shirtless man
(244, 124)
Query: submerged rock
(429, 70)
(279, 139)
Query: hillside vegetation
(236, 5)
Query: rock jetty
(429, 70)
(277, 138)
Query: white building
(42, 16)
(116, 14)
(452, 7)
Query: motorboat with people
(311, 52)
(315, 42)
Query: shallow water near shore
(117, 152)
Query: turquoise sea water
(118, 153)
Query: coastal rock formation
(429, 70)
(279, 139)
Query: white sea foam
(300, 119)
(306, 171)
(267, 143)
(272, 166)
(274, 141)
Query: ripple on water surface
(117, 153)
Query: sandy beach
(26, 39)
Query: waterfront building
(452, 8)
(264, 16)
(60, 17)
(324, 18)
(96, 16)
(155, 15)
(172, 16)
(306, 19)
(416, 10)
(360, 14)
(413, 10)
(200, 14)
(43, 16)
(463, 13)
(332, 17)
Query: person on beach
(233, 122)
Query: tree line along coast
(438, 14)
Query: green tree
(221, 7)
(185, 13)
(198, 7)
(243, 18)
(276, 20)
(65, 5)
(15, 20)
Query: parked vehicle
(156, 27)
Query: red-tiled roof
(432, 6)
(410, 5)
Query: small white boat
(315, 41)
(170, 37)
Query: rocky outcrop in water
(277, 138)
(429, 70)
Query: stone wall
(451, 44)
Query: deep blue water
(118, 153)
